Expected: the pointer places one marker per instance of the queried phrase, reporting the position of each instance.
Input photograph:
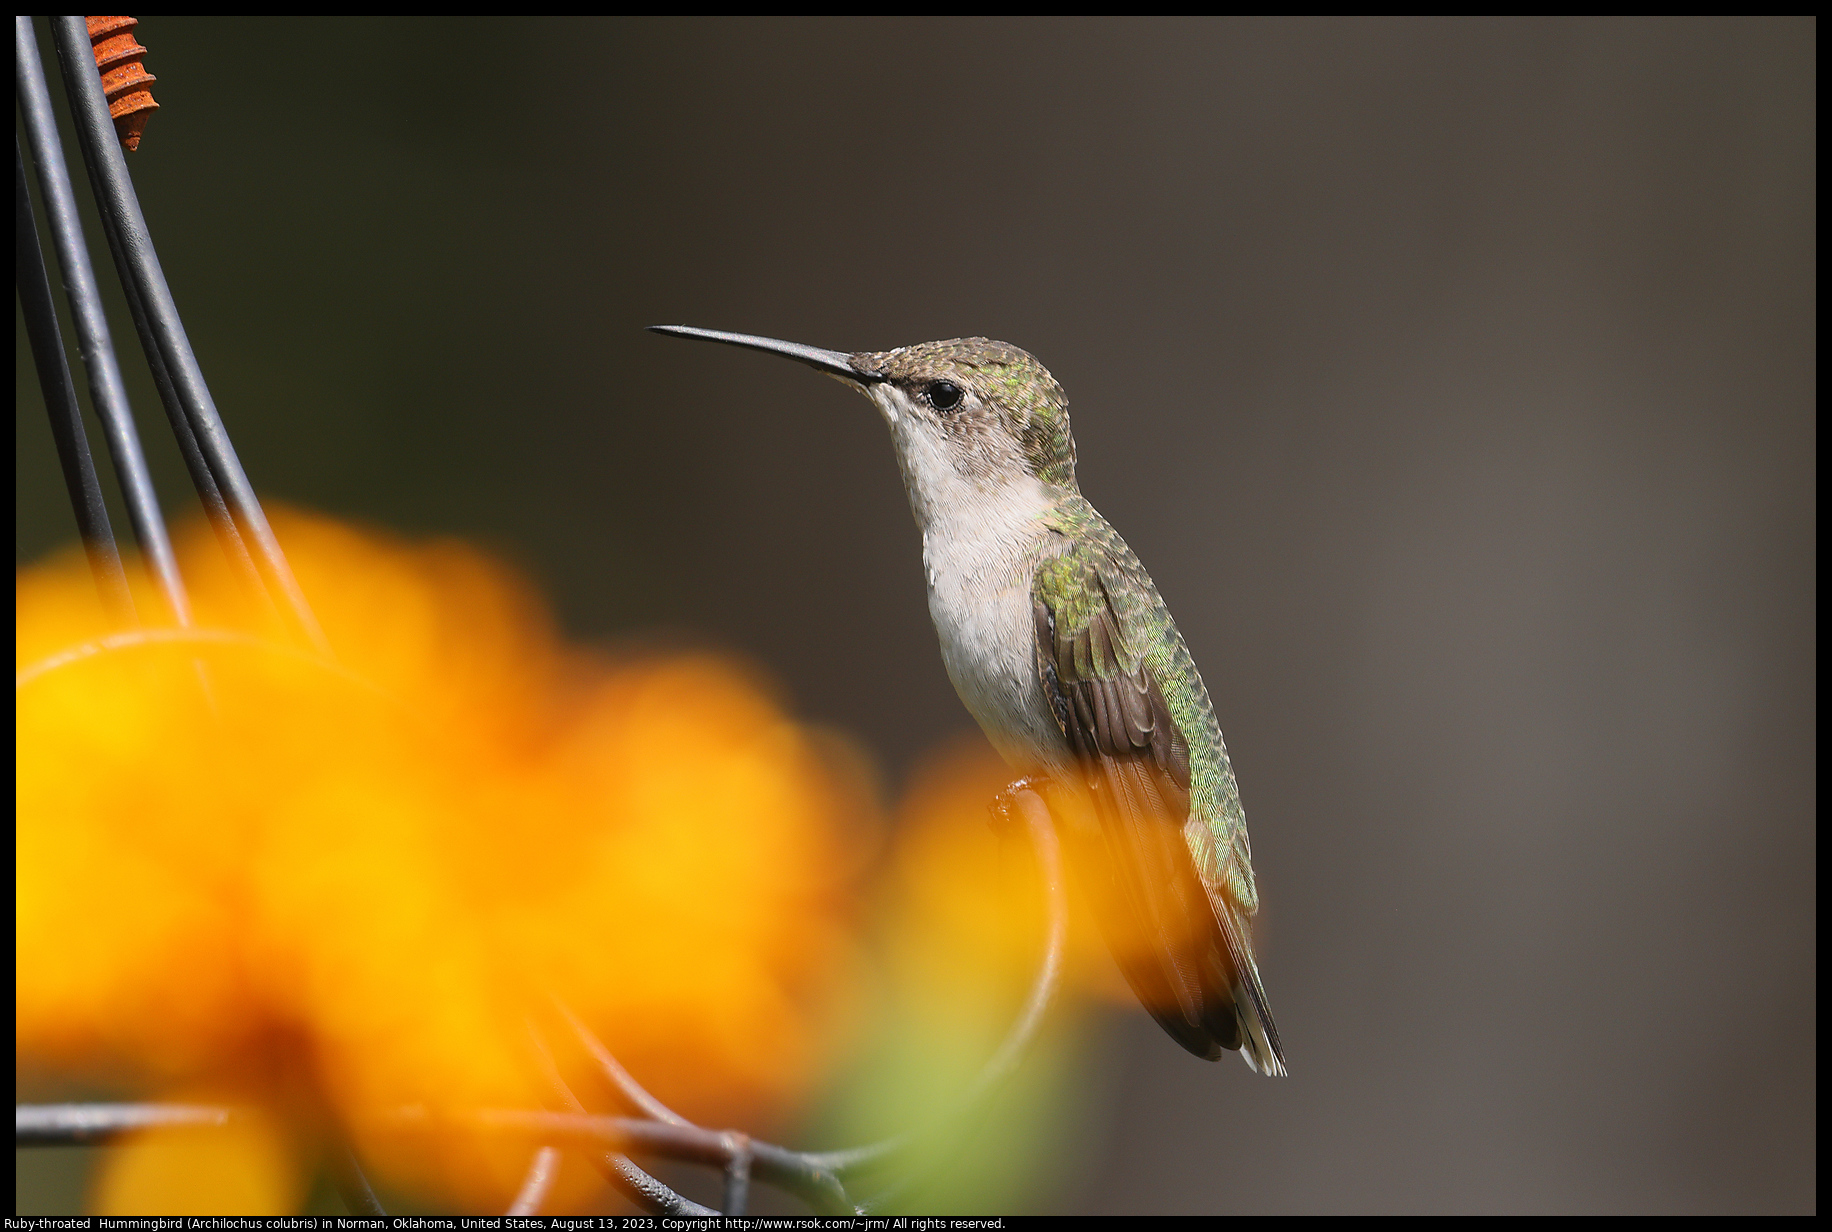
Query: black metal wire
(738, 1175)
(632, 1182)
(644, 1190)
(87, 1124)
(538, 1184)
(132, 246)
(352, 1186)
(60, 400)
(216, 511)
(107, 391)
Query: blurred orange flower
(241, 863)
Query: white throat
(980, 547)
(949, 503)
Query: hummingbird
(1060, 647)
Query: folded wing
(1153, 869)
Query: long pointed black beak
(834, 363)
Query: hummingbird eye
(944, 395)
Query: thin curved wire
(352, 1185)
(75, 1124)
(107, 391)
(632, 1091)
(53, 366)
(635, 1184)
(130, 639)
(94, 342)
(133, 246)
(538, 1183)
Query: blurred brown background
(1454, 379)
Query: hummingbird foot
(1004, 806)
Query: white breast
(979, 558)
(981, 539)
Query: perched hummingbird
(1060, 647)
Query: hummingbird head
(988, 410)
(966, 412)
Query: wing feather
(1165, 906)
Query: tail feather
(1180, 943)
(1259, 1046)
(1233, 1015)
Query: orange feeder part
(125, 80)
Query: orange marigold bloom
(240, 863)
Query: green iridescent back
(1149, 637)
